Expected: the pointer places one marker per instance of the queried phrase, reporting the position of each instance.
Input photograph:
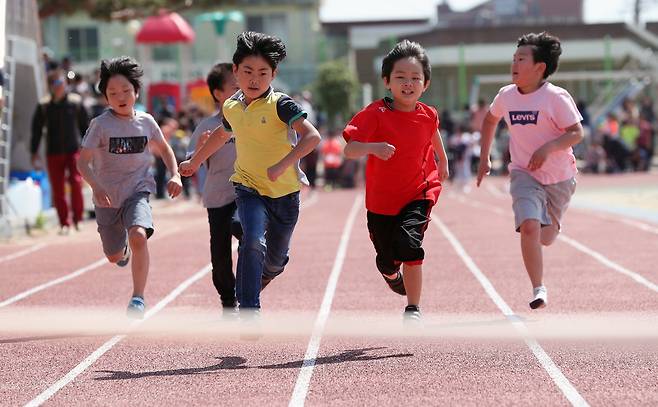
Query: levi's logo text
(523, 117)
(127, 145)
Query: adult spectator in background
(65, 120)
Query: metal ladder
(6, 118)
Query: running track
(602, 266)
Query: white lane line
(54, 282)
(628, 221)
(23, 252)
(546, 362)
(304, 378)
(89, 360)
(480, 205)
(70, 276)
(579, 246)
(609, 263)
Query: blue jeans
(267, 226)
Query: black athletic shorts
(398, 238)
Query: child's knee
(548, 235)
(530, 227)
(137, 237)
(253, 242)
(387, 266)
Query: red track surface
(364, 370)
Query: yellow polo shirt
(263, 136)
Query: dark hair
(251, 43)
(545, 48)
(125, 66)
(406, 49)
(217, 76)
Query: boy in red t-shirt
(402, 178)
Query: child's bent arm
(356, 149)
(572, 135)
(165, 152)
(84, 160)
(486, 139)
(487, 135)
(83, 164)
(215, 141)
(309, 139)
(440, 151)
(163, 149)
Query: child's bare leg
(549, 233)
(532, 251)
(413, 282)
(140, 259)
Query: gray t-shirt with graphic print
(218, 191)
(122, 160)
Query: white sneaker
(540, 299)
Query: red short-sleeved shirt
(411, 173)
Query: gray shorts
(532, 200)
(114, 223)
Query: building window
(165, 53)
(83, 43)
(271, 24)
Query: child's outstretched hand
(383, 150)
(101, 198)
(187, 169)
(174, 186)
(483, 169)
(275, 171)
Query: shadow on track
(237, 362)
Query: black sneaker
(411, 314)
(264, 281)
(397, 284)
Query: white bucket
(24, 200)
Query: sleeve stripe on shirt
(297, 116)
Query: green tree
(121, 9)
(335, 90)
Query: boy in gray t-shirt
(115, 161)
(218, 191)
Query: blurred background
(609, 65)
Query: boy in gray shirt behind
(218, 191)
(115, 162)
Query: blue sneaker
(136, 308)
(126, 257)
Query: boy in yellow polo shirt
(271, 136)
